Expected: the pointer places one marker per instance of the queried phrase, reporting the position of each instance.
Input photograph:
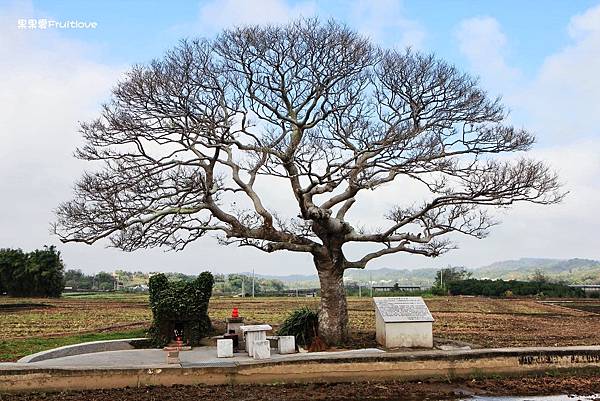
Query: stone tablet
(402, 309)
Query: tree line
(77, 280)
(502, 288)
(232, 284)
(39, 273)
(459, 281)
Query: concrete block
(261, 349)
(225, 348)
(286, 344)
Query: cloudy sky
(542, 56)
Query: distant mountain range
(576, 271)
(572, 270)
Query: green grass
(11, 350)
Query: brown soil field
(480, 321)
(582, 384)
(68, 316)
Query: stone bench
(225, 348)
(285, 344)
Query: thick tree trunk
(333, 313)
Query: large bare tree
(185, 139)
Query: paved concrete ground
(156, 358)
(139, 368)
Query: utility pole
(243, 292)
(359, 290)
(252, 282)
(371, 284)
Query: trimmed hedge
(499, 288)
(182, 303)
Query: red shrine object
(235, 313)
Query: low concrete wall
(380, 367)
(83, 348)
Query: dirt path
(585, 384)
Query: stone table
(256, 332)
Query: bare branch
(186, 141)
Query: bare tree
(184, 140)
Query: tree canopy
(37, 273)
(187, 140)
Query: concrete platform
(138, 368)
(82, 348)
(156, 358)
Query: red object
(235, 313)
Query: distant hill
(575, 271)
(401, 276)
(423, 277)
(581, 271)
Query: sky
(542, 57)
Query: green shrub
(301, 323)
(180, 303)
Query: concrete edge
(383, 367)
(81, 348)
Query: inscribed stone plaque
(403, 309)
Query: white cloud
(563, 98)
(385, 19)
(485, 46)
(218, 14)
(560, 104)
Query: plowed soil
(428, 390)
(482, 322)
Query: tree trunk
(333, 313)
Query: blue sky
(541, 56)
(135, 31)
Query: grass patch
(11, 350)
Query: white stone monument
(403, 322)
(225, 348)
(252, 333)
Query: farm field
(31, 325)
